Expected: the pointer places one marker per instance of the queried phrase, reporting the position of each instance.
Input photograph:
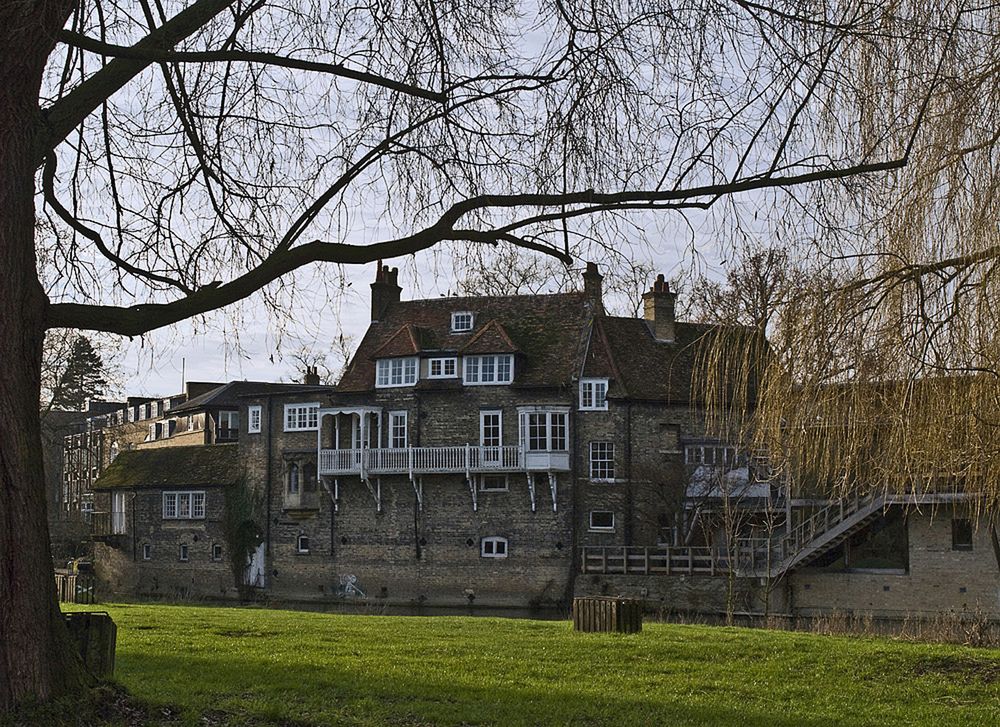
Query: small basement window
(182, 553)
(602, 520)
(493, 547)
(462, 321)
(302, 544)
(493, 483)
(216, 551)
(961, 534)
(147, 551)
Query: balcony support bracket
(531, 489)
(553, 484)
(472, 488)
(376, 491)
(418, 489)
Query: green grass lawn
(238, 666)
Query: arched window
(309, 477)
(293, 479)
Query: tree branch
(155, 55)
(59, 119)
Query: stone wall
(700, 594)
(939, 579)
(122, 570)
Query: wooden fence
(749, 557)
(75, 587)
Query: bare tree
(191, 154)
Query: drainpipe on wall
(267, 484)
(629, 492)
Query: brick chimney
(658, 306)
(311, 377)
(385, 290)
(593, 288)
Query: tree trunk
(37, 661)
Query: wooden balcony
(415, 461)
(107, 526)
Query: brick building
(515, 451)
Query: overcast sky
(247, 342)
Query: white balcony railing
(437, 460)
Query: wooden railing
(825, 519)
(104, 524)
(421, 460)
(672, 560)
(75, 587)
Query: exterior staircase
(826, 529)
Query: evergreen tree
(82, 379)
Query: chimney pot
(385, 290)
(593, 287)
(659, 306)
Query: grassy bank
(245, 666)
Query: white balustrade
(420, 460)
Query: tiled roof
(491, 338)
(659, 370)
(170, 467)
(228, 395)
(548, 329)
(559, 338)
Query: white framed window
(493, 483)
(301, 417)
(182, 553)
(491, 436)
(397, 430)
(602, 520)
(490, 369)
(253, 419)
(593, 394)
(293, 479)
(216, 551)
(545, 431)
(602, 461)
(716, 455)
(302, 544)
(166, 405)
(390, 372)
(442, 368)
(184, 505)
(462, 321)
(117, 513)
(151, 436)
(147, 551)
(493, 547)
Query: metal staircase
(826, 529)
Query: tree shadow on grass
(245, 690)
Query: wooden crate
(601, 613)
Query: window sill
(600, 530)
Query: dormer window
(391, 372)
(490, 369)
(593, 394)
(443, 368)
(462, 321)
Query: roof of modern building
(228, 395)
(172, 467)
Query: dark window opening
(961, 534)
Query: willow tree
(883, 373)
(191, 154)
